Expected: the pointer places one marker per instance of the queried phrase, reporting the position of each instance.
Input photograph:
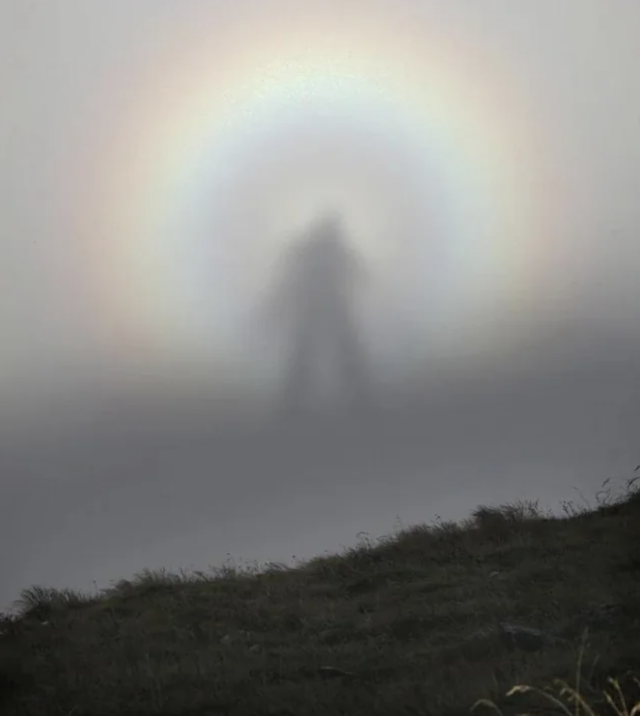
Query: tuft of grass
(578, 699)
(420, 622)
(501, 522)
(44, 602)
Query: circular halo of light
(219, 170)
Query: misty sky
(113, 371)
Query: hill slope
(424, 622)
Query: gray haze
(109, 465)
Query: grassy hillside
(427, 622)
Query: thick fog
(275, 276)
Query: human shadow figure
(314, 302)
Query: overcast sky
(145, 146)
